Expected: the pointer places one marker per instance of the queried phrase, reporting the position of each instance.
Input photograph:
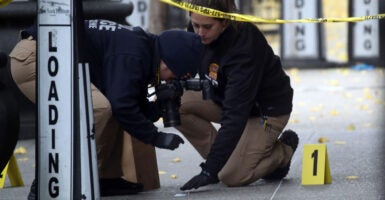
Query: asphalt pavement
(340, 107)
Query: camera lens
(170, 113)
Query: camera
(169, 97)
(198, 85)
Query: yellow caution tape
(209, 12)
(4, 2)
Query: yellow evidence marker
(4, 2)
(315, 165)
(12, 170)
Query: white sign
(140, 14)
(366, 34)
(64, 115)
(300, 40)
(55, 100)
(55, 111)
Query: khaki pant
(257, 153)
(109, 136)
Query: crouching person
(252, 102)
(124, 62)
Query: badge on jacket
(213, 73)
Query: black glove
(167, 141)
(202, 179)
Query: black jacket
(122, 65)
(249, 81)
(123, 62)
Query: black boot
(33, 193)
(118, 186)
(108, 187)
(289, 138)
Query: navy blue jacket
(123, 61)
(249, 81)
(122, 65)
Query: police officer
(252, 102)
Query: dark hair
(227, 6)
(221, 5)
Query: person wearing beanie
(124, 62)
(179, 52)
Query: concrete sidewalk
(342, 107)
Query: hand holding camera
(169, 97)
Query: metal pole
(67, 166)
(86, 182)
(55, 99)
